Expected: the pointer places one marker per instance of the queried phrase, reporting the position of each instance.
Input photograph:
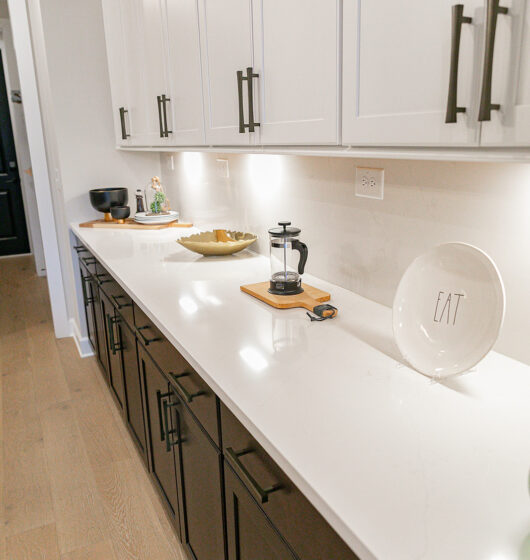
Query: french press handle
(302, 249)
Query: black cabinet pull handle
(184, 393)
(159, 397)
(486, 106)
(250, 81)
(111, 321)
(118, 304)
(89, 260)
(146, 341)
(124, 134)
(250, 91)
(102, 275)
(261, 494)
(169, 444)
(164, 100)
(86, 299)
(458, 19)
(160, 123)
(240, 79)
(80, 249)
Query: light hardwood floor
(72, 486)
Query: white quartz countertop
(402, 467)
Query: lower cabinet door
(250, 534)
(162, 435)
(89, 306)
(202, 489)
(134, 409)
(101, 334)
(115, 373)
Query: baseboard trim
(83, 344)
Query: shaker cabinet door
(296, 47)
(151, 15)
(226, 48)
(250, 534)
(117, 66)
(509, 79)
(185, 109)
(115, 373)
(201, 483)
(161, 435)
(396, 73)
(134, 410)
(101, 331)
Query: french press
(287, 266)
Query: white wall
(365, 245)
(69, 47)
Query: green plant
(156, 205)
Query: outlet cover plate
(370, 182)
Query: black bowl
(104, 198)
(120, 212)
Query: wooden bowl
(217, 242)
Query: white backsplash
(362, 244)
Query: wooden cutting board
(308, 299)
(129, 223)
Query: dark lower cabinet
(88, 300)
(115, 374)
(101, 336)
(164, 455)
(134, 409)
(201, 489)
(250, 534)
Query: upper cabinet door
(396, 72)
(296, 46)
(509, 80)
(184, 73)
(132, 64)
(154, 71)
(226, 48)
(117, 60)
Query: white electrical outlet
(369, 182)
(222, 168)
(171, 163)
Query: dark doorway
(13, 231)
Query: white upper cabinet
(509, 80)
(124, 57)
(153, 52)
(184, 73)
(226, 41)
(396, 72)
(296, 47)
(154, 70)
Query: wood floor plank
(36, 544)
(72, 485)
(48, 378)
(99, 551)
(133, 525)
(26, 489)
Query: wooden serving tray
(308, 299)
(129, 223)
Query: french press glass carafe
(286, 266)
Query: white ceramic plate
(448, 309)
(143, 218)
